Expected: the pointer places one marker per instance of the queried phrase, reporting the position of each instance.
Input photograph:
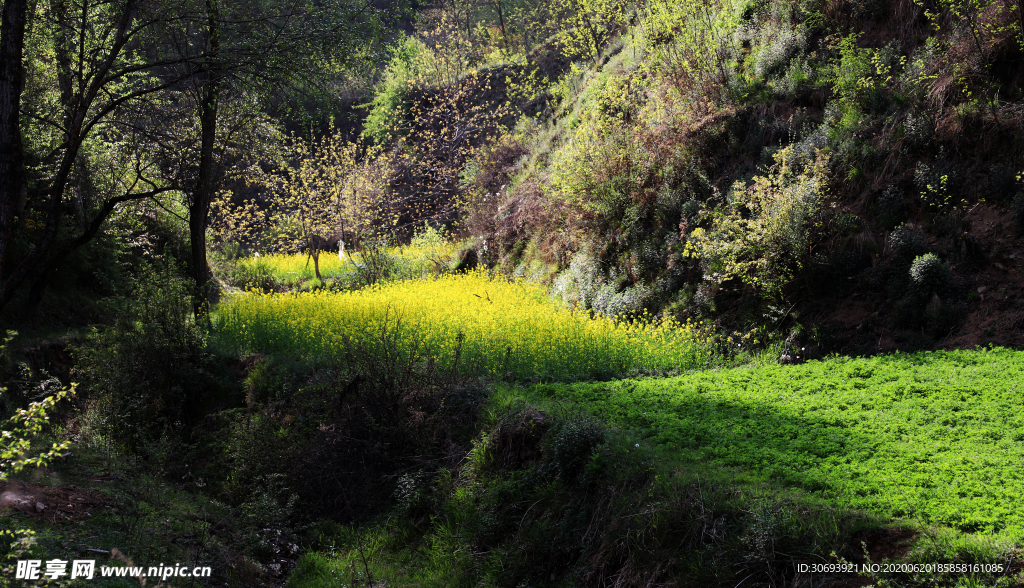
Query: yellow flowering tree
(333, 191)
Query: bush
(409, 62)
(918, 130)
(891, 207)
(930, 275)
(939, 185)
(764, 236)
(254, 274)
(775, 47)
(148, 373)
(906, 243)
(929, 298)
(574, 445)
(374, 263)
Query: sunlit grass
(936, 436)
(472, 322)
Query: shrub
(930, 275)
(939, 185)
(906, 243)
(254, 274)
(374, 264)
(763, 237)
(918, 129)
(148, 372)
(868, 9)
(929, 296)
(776, 46)
(891, 207)
(574, 445)
(409, 61)
(851, 73)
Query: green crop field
(937, 437)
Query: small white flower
(638, 445)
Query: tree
(109, 58)
(100, 57)
(256, 48)
(444, 129)
(12, 83)
(333, 191)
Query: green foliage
(574, 445)
(891, 207)
(851, 74)
(622, 511)
(691, 45)
(933, 436)
(405, 69)
(929, 296)
(148, 372)
(590, 24)
(27, 423)
(906, 243)
(21, 543)
(763, 236)
(938, 186)
(930, 275)
(255, 274)
(921, 285)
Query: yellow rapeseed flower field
(410, 261)
(473, 322)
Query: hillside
(791, 167)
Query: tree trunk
(501, 22)
(74, 135)
(12, 82)
(199, 208)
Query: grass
(142, 517)
(471, 322)
(635, 512)
(937, 437)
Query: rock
(40, 507)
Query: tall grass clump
(470, 322)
